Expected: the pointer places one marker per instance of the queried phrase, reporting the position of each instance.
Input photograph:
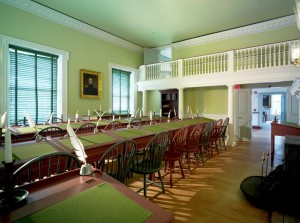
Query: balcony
(261, 64)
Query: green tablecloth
(130, 133)
(90, 140)
(102, 203)
(30, 150)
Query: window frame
(63, 57)
(133, 87)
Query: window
(42, 56)
(32, 84)
(120, 91)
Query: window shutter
(32, 84)
(120, 91)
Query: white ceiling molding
(57, 17)
(238, 32)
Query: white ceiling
(155, 23)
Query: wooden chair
(174, 152)
(113, 125)
(192, 145)
(204, 142)
(85, 128)
(45, 166)
(136, 122)
(214, 137)
(149, 161)
(222, 134)
(117, 160)
(52, 131)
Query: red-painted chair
(214, 137)
(174, 152)
(192, 146)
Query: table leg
(272, 149)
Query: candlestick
(8, 150)
(89, 112)
(160, 113)
(10, 196)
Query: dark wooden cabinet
(169, 102)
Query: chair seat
(171, 155)
(143, 167)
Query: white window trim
(133, 88)
(63, 57)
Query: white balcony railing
(260, 57)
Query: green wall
(85, 52)
(213, 100)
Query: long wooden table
(282, 129)
(95, 143)
(52, 195)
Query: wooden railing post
(142, 73)
(230, 61)
(180, 68)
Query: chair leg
(145, 186)
(196, 160)
(188, 161)
(223, 139)
(161, 182)
(171, 167)
(181, 169)
(201, 154)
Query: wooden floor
(211, 193)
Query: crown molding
(57, 17)
(238, 32)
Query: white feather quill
(3, 120)
(30, 121)
(202, 114)
(77, 144)
(50, 118)
(97, 112)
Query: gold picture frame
(90, 84)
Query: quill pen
(77, 144)
(30, 121)
(3, 120)
(50, 118)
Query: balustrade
(260, 57)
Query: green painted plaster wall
(85, 52)
(154, 101)
(212, 99)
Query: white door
(242, 114)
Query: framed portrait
(90, 84)
(266, 101)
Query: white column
(144, 103)
(180, 103)
(230, 130)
